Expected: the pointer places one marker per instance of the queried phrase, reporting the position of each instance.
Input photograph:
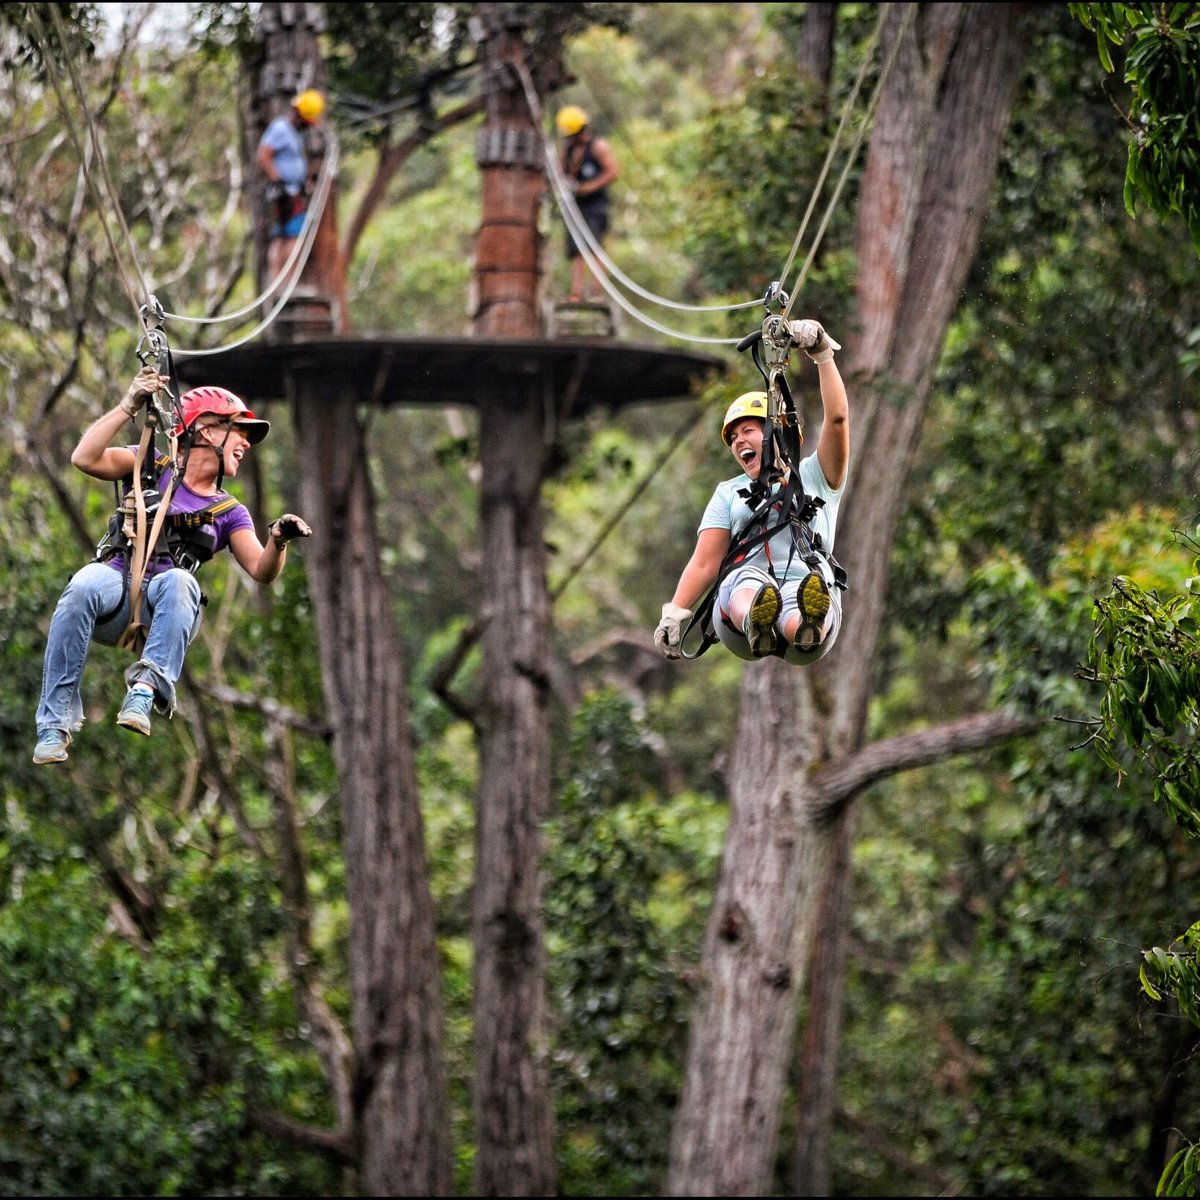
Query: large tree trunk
(812, 1170)
(514, 1123)
(513, 1114)
(401, 1100)
(929, 173)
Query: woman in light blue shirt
(781, 594)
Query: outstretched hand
(287, 528)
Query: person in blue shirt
(780, 598)
(284, 161)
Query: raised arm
(93, 455)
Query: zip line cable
(868, 116)
(297, 257)
(566, 202)
(868, 55)
(677, 439)
(594, 253)
(293, 254)
(42, 38)
(299, 252)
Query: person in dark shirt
(589, 165)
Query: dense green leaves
(1161, 44)
(617, 859)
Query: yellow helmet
(310, 104)
(748, 404)
(570, 120)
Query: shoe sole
(134, 723)
(764, 608)
(813, 600)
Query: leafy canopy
(1162, 67)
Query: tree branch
(391, 160)
(329, 1038)
(333, 1143)
(838, 783)
(272, 710)
(440, 681)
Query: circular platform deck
(459, 371)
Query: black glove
(288, 527)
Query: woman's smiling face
(745, 441)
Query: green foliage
(616, 957)
(1091, 869)
(1062, 389)
(1162, 68)
(1144, 655)
(130, 1072)
(1182, 1176)
(23, 31)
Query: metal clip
(152, 314)
(775, 293)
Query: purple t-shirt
(184, 500)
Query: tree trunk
(814, 55)
(514, 1122)
(513, 1114)
(812, 1171)
(929, 173)
(401, 1100)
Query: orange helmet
(217, 402)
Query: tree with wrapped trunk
(799, 758)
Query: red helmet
(216, 401)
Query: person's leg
(580, 279)
(747, 607)
(812, 615)
(590, 288)
(95, 591)
(173, 601)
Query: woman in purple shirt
(214, 435)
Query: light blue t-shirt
(728, 510)
(290, 161)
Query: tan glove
(811, 337)
(669, 633)
(146, 383)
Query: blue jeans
(94, 607)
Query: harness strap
(144, 544)
(797, 509)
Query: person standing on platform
(589, 166)
(282, 157)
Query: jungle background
(157, 978)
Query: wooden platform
(388, 370)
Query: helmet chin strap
(217, 448)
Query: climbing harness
(777, 497)
(142, 527)
(142, 511)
